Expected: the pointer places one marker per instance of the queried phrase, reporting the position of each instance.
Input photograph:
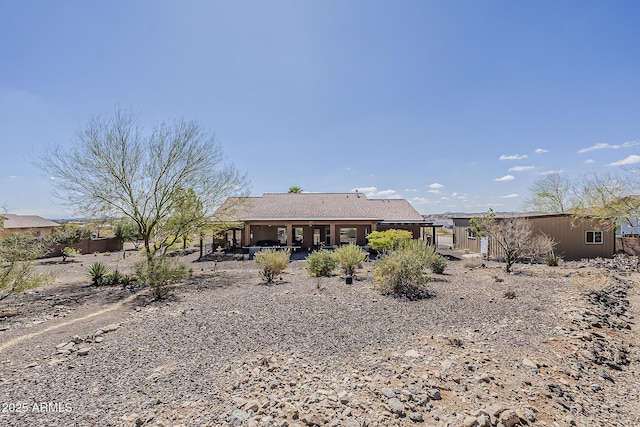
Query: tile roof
(317, 206)
(13, 221)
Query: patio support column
(433, 237)
(246, 235)
(332, 234)
(289, 235)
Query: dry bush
(587, 281)
(473, 262)
(272, 262)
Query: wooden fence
(88, 246)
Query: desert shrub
(552, 261)
(160, 273)
(402, 272)
(17, 252)
(321, 263)
(272, 262)
(68, 252)
(98, 273)
(384, 241)
(349, 257)
(473, 262)
(127, 280)
(113, 278)
(438, 264)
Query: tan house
(311, 220)
(27, 224)
(575, 238)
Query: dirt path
(106, 310)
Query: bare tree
(550, 193)
(113, 168)
(513, 235)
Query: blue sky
(453, 105)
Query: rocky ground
(546, 346)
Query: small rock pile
(80, 346)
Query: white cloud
(435, 185)
(521, 168)
(604, 145)
(631, 160)
(410, 190)
(366, 189)
(505, 178)
(13, 177)
(510, 196)
(589, 162)
(423, 201)
(541, 150)
(513, 157)
(551, 172)
(454, 194)
(433, 191)
(373, 192)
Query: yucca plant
(98, 273)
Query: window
(471, 234)
(282, 235)
(593, 237)
(298, 236)
(348, 235)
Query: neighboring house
(312, 220)
(575, 238)
(27, 224)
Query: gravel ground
(539, 347)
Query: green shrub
(321, 263)
(68, 252)
(552, 261)
(272, 262)
(113, 278)
(160, 273)
(349, 257)
(98, 273)
(127, 280)
(384, 241)
(17, 252)
(402, 272)
(438, 264)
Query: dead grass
(590, 281)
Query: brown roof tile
(315, 206)
(27, 221)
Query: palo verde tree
(187, 218)
(550, 194)
(126, 230)
(607, 197)
(114, 167)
